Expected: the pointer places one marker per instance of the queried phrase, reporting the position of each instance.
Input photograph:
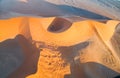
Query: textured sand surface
(86, 49)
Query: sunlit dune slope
(84, 29)
(9, 28)
(58, 48)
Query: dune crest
(90, 51)
(86, 49)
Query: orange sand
(55, 54)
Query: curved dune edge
(103, 32)
(87, 37)
(71, 36)
(78, 32)
(38, 26)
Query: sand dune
(41, 49)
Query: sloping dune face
(58, 48)
(9, 28)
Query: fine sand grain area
(59, 48)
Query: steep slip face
(80, 50)
(82, 58)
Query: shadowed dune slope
(58, 48)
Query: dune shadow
(31, 57)
(71, 55)
(59, 25)
(84, 70)
(96, 71)
(18, 58)
(11, 57)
